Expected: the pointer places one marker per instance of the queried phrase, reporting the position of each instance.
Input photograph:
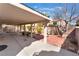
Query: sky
(49, 8)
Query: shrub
(52, 24)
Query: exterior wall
(61, 23)
(77, 36)
(8, 28)
(71, 42)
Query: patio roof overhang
(19, 14)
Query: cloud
(47, 10)
(60, 8)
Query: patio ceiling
(19, 14)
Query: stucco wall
(71, 41)
(77, 35)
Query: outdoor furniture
(38, 36)
(26, 33)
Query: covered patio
(17, 15)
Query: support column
(31, 31)
(45, 32)
(14, 28)
(20, 28)
(17, 28)
(1, 29)
(24, 28)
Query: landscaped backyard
(27, 32)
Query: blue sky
(44, 7)
(48, 8)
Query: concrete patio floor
(41, 49)
(62, 52)
(38, 46)
(14, 42)
(18, 44)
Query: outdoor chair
(26, 34)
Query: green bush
(39, 28)
(52, 24)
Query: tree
(39, 28)
(67, 13)
(45, 14)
